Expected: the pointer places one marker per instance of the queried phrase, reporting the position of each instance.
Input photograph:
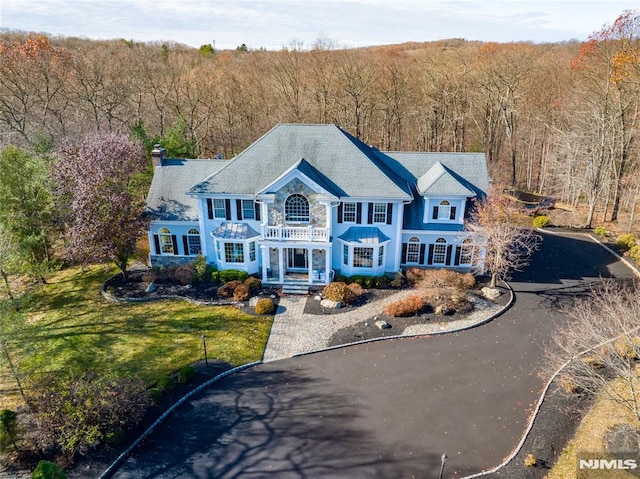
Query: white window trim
(165, 239)
(251, 209)
(383, 213)
(436, 245)
(216, 208)
(411, 244)
(345, 212)
(444, 207)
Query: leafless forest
(559, 119)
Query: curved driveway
(387, 409)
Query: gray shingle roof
(440, 180)
(167, 198)
(348, 167)
(467, 170)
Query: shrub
(440, 278)
(408, 306)
(8, 430)
(600, 231)
(75, 410)
(626, 242)
(253, 283)
(186, 374)
(215, 276)
(166, 383)
(241, 292)
(155, 396)
(397, 281)
(356, 289)
(185, 274)
(114, 436)
(540, 221)
(530, 461)
(201, 268)
(634, 253)
(233, 275)
(265, 306)
(48, 470)
(227, 289)
(339, 292)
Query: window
(440, 251)
(345, 254)
(379, 212)
(444, 210)
(252, 251)
(349, 213)
(362, 257)
(296, 209)
(413, 250)
(248, 210)
(166, 242)
(193, 241)
(466, 252)
(380, 255)
(219, 209)
(234, 252)
(218, 247)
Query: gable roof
(458, 173)
(344, 165)
(440, 180)
(167, 199)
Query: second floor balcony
(295, 233)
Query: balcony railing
(295, 233)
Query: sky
(274, 24)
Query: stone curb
(476, 324)
(117, 463)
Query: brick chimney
(158, 154)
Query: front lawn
(68, 324)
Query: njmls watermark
(591, 466)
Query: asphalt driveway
(387, 409)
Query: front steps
(299, 289)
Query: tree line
(555, 118)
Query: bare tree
(601, 342)
(506, 246)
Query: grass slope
(68, 324)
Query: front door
(297, 259)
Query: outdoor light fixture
(204, 346)
(443, 460)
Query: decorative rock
(151, 288)
(491, 293)
(327, 303)
(317, 297)
(383, 325)
(441, 310)
(253, 301)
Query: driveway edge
(117, 463)
(543, 394)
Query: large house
(306, 202)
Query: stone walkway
(294, 332)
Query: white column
(310, 265)
(327, 265)
(264, 254)
(280, 265)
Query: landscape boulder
(491, 293)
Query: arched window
(413, 250)
(193, 241)
(444, 210)
(296, 209)
(466, 252)
(166, 242)
(440, 251)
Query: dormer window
(444, 211)
(296, 209)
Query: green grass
(68, 325)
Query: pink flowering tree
(102, 215)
